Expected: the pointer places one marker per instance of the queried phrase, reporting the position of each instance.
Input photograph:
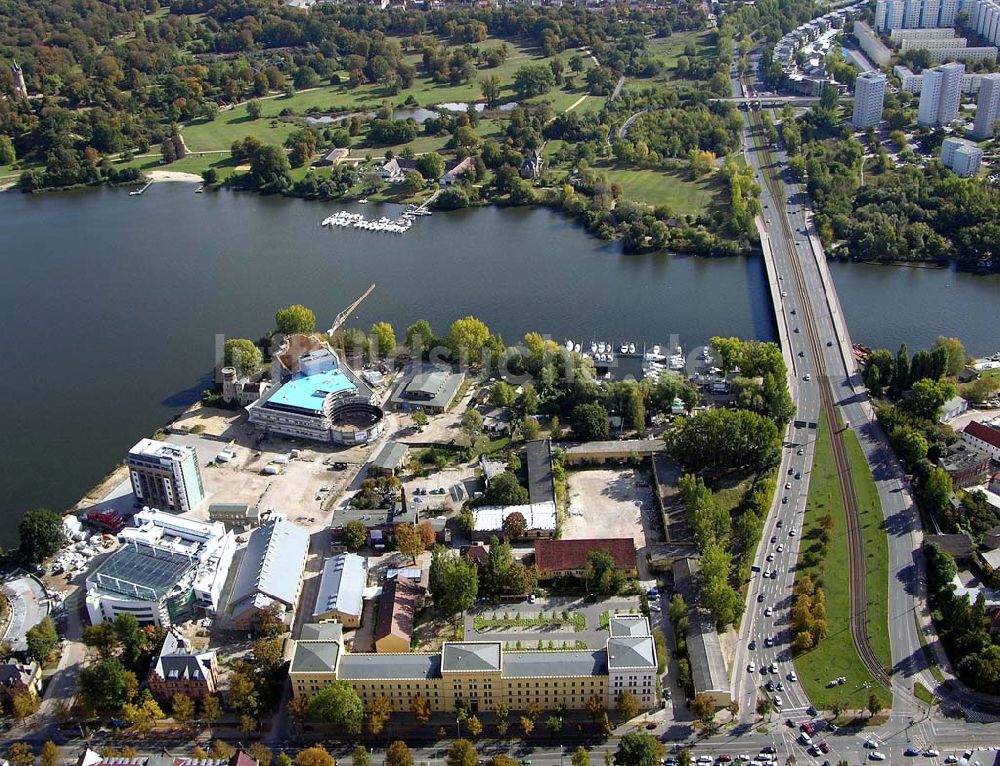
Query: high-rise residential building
(940, 94)
(165, 476)
(915, 14)
(984, 18)
(869, 94)
(988, 106)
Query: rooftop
(390, 456)
(157, 450)
(631, 652)
(321, 631)
(537, 516)
(984, 433)
(340, 588)
(574, 664)
(309, 392)
(396, 609)
(272, 563)
(469, 657)
(375, 666)
(430, 386)
(628, 625)
(962, 455)
(538, 460)
(624, 447)
(141, 572)
(565, 555)
(177, 660)
(314, 657)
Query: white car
(792, 677)
(875, 755)
(780, 548)
(788, 485)
(931, 753)
(778, 702)
(752, 668)
(703, 759)
(792, 532)
(768, 612)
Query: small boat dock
(137, 192)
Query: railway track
(858, 582)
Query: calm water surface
(111, 304)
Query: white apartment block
(915, 14)
(962, 156)
(988, 106)
(984, 18)
(934, 33)
(869, 95)
(908, 44)
(940, 94)
(913, 83)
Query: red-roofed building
(986, 438)
(401, 597)
(558, 557)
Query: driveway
(29, 605)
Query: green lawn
(232, 124)
(673, 189)
(669, 49)
(835, 656)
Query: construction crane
(338, 322)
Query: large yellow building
(481, 674)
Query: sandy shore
(170, 175)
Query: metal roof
(272, 564)
(315, 657)
(344, 578)
(309, 392)
(390, 456)
(470, 657)
(538, 460)
(358, 667)
(555, 664)
(628, 625)
(321, 631)
(537, 516)
(631, 652)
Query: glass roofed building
(168, 569)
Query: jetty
(137, 192)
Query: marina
(655, 361)
(400, 225)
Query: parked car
(875, 755)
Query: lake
(112, 304)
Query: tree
(24, 704)
(462, 753)
(627, 705)
(298, 708)
(50, 754)
(635, 749)
(875, 704)
(474, 726)
(338, 704)
(131, 637)
(725, 439)
(409, 540)
(379, 713)
(764, 706)
(601, 575)
(490, 86)
(101, 637)
(211, 708)
(636, 410)
(555, 428)
(529, 428)
(955, 354)
(590, 422)
(505, 489)
(514, 525)
(242, 354)
(42, 639)
(384, 337)
(472, 423)
(270, 170)
(142, 716)
(41, 534)
(580, 757)
(431, 166)
(398, 754)
(354, 535)
(928, 397)
(733, 708)
(554, 723)
(295, 319)
(420, 419)
(468, 336)
(359, 756)
(527, 725)
(533, 80)
(703, 708)
(7, 153)
(314, 756)
(421, 707)
(728, 353)
(260, 753)
(594, 707)
(20, 754)
(454, 582)
(283, 759)
(182, 707)
(105, 685)
(253, 109)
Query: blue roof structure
(309, 392)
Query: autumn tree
(421, 708)
(409, 541)
(314, 756)
(379, 713)
(398, 754)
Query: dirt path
(577, 103)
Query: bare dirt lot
(611, 502)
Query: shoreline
(173, 176)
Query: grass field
(233, 124)
(674, 189)
(835, 656)
(669, 49)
